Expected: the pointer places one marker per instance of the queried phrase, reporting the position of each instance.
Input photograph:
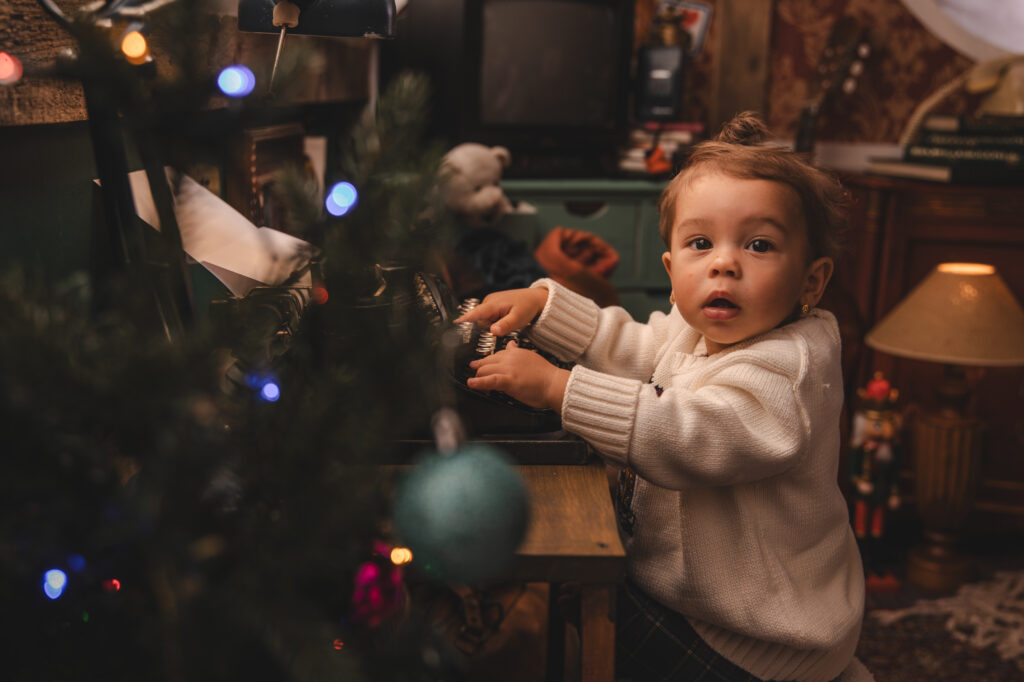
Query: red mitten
(594, 253)
(552, 258)
(580, 261)
(564, 251)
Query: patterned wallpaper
(907, 64)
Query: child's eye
(761, 246)
(700, 243)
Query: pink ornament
(379, 593)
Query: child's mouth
(720, 309)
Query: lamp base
(947, 448)
(936, 566)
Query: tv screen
(548, 63)
(549, 79)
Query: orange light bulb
(10, 68)
(401, 555)
(134, 47)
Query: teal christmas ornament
(463, 515)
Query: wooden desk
(572, 537)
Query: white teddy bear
(471, 183)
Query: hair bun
(744, 128)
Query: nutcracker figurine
(874, 462)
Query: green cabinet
(622, 212)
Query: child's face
(739, 257)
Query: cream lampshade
(960, 314)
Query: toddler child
(724, 417)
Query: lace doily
(981, 614)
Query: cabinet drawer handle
(586, 209)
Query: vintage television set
(549, 79)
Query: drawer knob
(586, 209)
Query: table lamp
(961, 314)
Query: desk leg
(597, 632)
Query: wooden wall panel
(30, 34)
(743, 44)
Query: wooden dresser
(900, 230)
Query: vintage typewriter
(529, 434)
(484, 412)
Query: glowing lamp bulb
(342, 197)
(236, 81)
(319, 295)
(134, 47)
(112, 585)
(54, 583)
(270, 392)
(401, 555)
(10, 69)
(338, 644)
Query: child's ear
(815, 280)
(666, 260)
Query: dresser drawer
(622, 212)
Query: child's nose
(725, 263)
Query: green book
(925, 153)
(973, 140)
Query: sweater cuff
(601, 408)
(568, 322)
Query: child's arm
(507, 311)
(522, 374)
(575, 329)
(747, 418)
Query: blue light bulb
(342, 197)
(236, 81)
(76, 562)
(270, 392)
(54, 583)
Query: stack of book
(962, 150)
(673, 139)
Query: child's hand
(509, 310)
(522, 374)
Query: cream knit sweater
(739, 521)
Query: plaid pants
(655, 643)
